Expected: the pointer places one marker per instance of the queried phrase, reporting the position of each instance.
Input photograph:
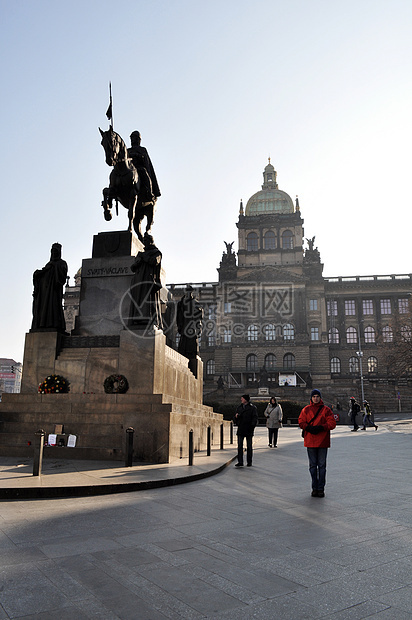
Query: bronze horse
(124, 184)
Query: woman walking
(274, 415)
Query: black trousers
(273, 434)
(249, 449)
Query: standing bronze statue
(48, 293)
(132, 181)
(145, 287)
(189, 325)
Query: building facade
(274, 323)
(272, 320)
(10, 375)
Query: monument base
(163, 402)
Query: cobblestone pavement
(248, 543)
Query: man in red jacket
(317, 421)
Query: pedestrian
(368, 417)
(354, 409)
(317, 420)
(246, 418)
(274, 415)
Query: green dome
(270, 199)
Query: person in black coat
(354, 409)
(246, 418)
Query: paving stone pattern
(246, 543)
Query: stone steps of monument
(78, 453)
(27, 439)
(58, 401)
(73, 428)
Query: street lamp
(360, 355)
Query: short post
(38, 452)
(129, 447)
(231, 432)
(209, 442)
(191, 447)
(221, 436)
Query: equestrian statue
(132, 182)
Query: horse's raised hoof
(107, 216)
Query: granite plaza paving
(244, 543)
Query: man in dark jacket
(354, 410)
(246, 418)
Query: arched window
(270, 361)
(270, 240)
(333, 335)
(289, 361)
(288, 332)
(369, 334)
(335, 364)
(270, 332)
(210, 367)
(406, 333)
(287, 240)
(351, 335)
(354, 364)
(251, 362)
(252, 333)
(372, 364)
(387, 334)
(252, 242)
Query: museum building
(272, 319)
(273, 322)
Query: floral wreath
(116, 384)
(54, 384)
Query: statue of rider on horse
(132, 181)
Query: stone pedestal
(164, 399)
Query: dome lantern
(270, 199)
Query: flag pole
(109, 112)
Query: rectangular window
(314, 333)
(227, 335)
(386, 306)
(332, 307)
(367, 306)
(403, 305)
(211, 312)
(350, 307)
(313, 304)
(228, 307)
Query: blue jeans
(317, 467)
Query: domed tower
(270, 229)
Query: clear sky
(323, 87)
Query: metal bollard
(231, 432)
(38, 452)
(129, 447)
(209, 440)
(221, 436)
(191, 447)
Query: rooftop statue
(132, 181)
(311, 243)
